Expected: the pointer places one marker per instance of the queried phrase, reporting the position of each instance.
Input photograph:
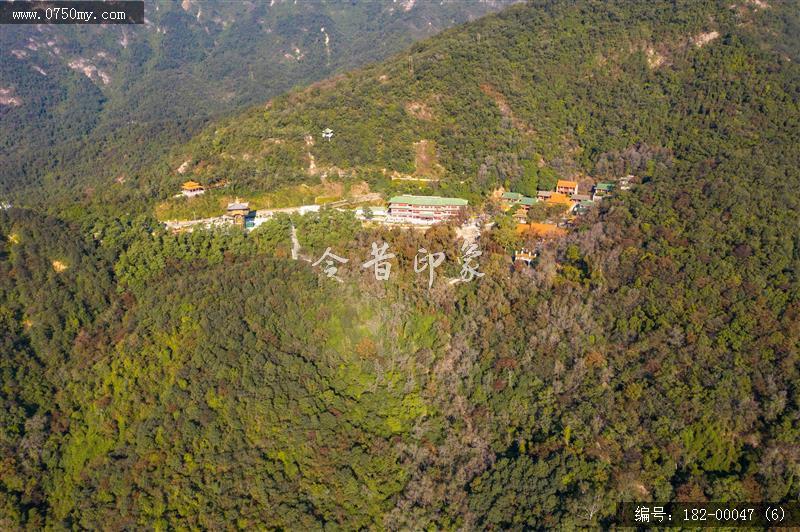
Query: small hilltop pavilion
(191, 189)
(238, 211)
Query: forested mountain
(551, 91)
(83, 105)
(206, 380)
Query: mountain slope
(84, 102)
(205, 380)
(553, 87)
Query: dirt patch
(327, 191)
(7, 98)
(329, 188)
(312, 163)
(702, 39)
(426, 160)
(59, 266)
(654, 59)
(359, 189)
(505, 109)
(499, 99)
(419, 110)
(89, 70)
(641, 489)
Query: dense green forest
(206, 380)
(95, 105)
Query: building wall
(425, 212)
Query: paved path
(295, 244)
(302, 209)
(183, 224)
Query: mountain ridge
(382, 113)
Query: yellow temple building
(192, 188)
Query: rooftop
(565, 183)
(428, 200)
(238, 206)
(528, 201)
(542, 230)
(192, 184)
(605, 187)
(512, 195)
(558, 198)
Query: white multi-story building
(425, 209)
